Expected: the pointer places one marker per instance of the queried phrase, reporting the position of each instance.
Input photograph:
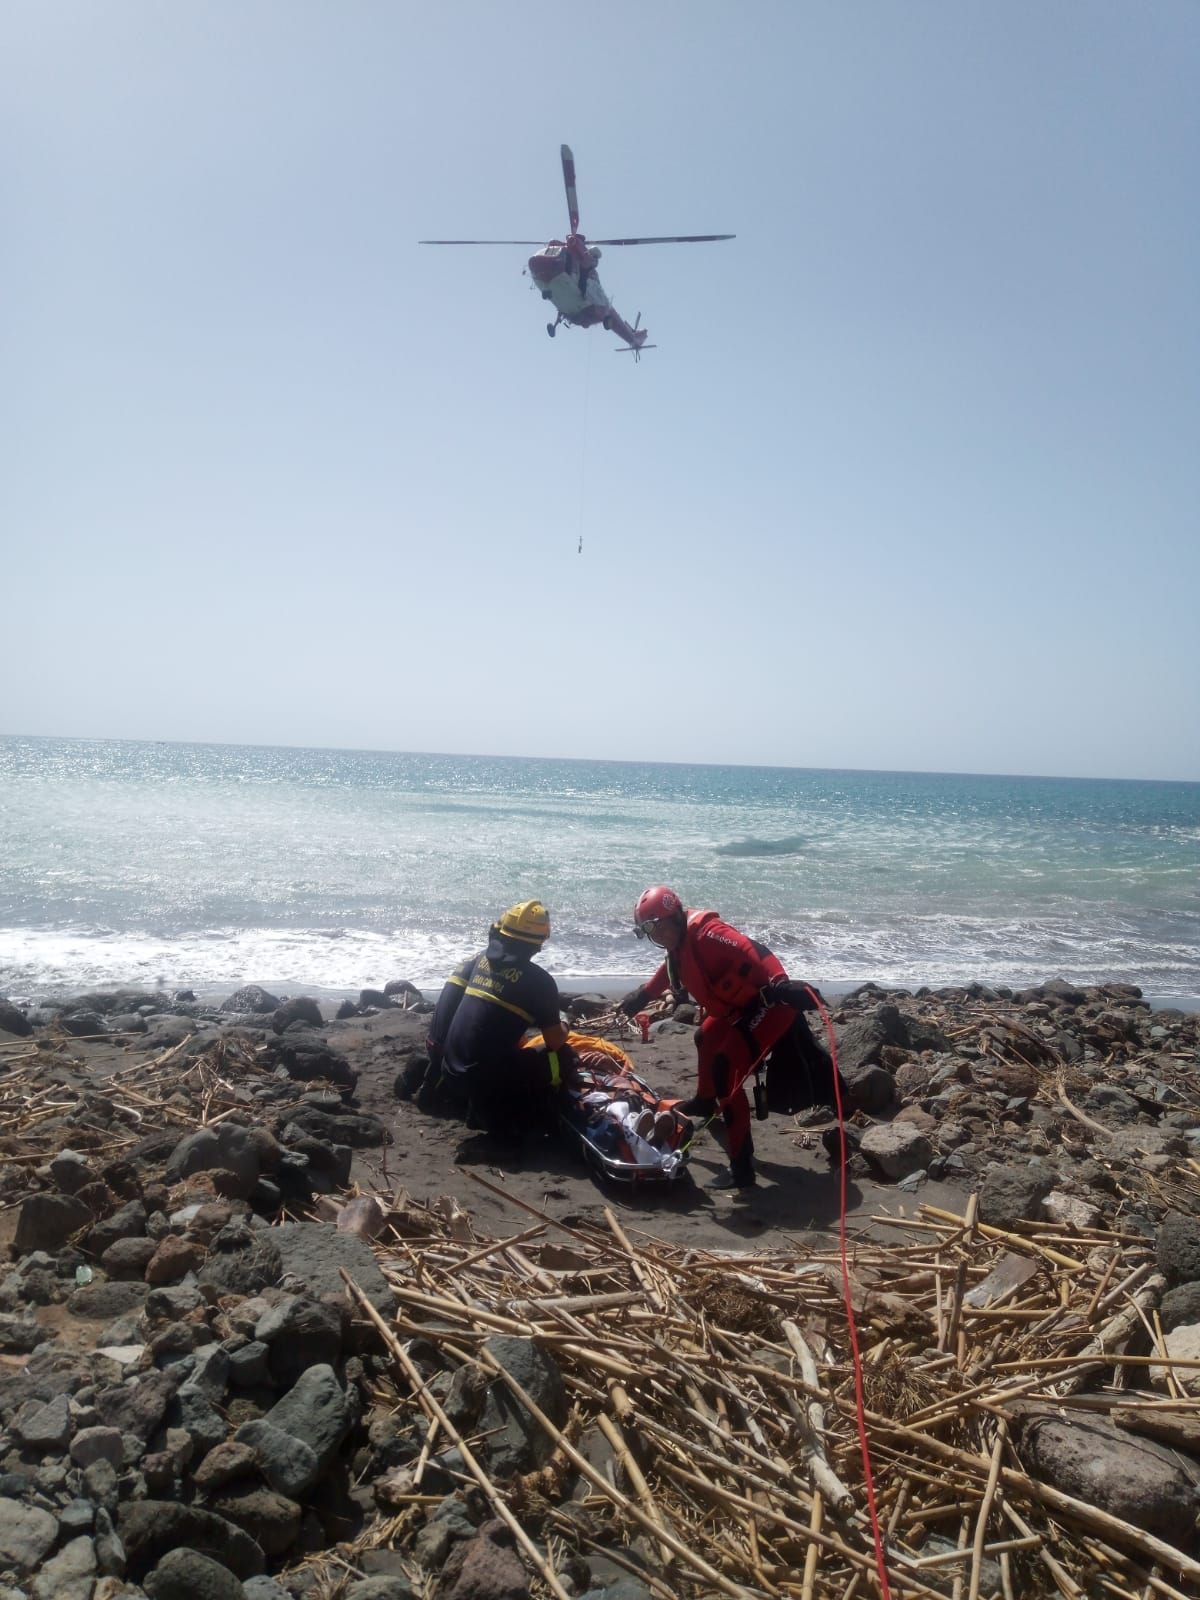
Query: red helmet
(656, 905)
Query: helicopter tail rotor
(635, 349)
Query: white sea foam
(207, 867)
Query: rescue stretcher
(622, 1128)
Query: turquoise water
(208, 864)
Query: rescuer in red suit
(750, 1006)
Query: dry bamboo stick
(653, 1294)
(497, 1245)
(1017, 1241)
(985, 1510)
(813, 1554)
(864, 1559)
(612, 1432)
(495, 1499)
(622, 1501)
(811, 1420)
(944, 1558)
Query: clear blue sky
(911, 480)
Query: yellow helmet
(529, 921)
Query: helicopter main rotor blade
(481, 241)
(671, 238)
(568, 165)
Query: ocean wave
(838, 951)
(791, 846)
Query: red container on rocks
(643, 1021)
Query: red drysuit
(724, 971)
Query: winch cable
(847, 1295)
(859, 1404)
(583, 440)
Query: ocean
(205, 866)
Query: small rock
(173, 1259)
(100, 1302)
(98, 1444)
(48, 1221)
(287, 1463)
(1134, 1479)
(271, 1519)
(225, 1464)
(188, 1575)
(301, 1009)
(20, 1335)
(300, 1333)
(1178, 1248)
(388, 1586)
(1009, 1195)
(251, 999)
(14, 1021)
(70, 1575)
(152, 1528)
(1181, 1344)
(128, 1258)
(1180, 1305)
(27, 1534)
(490, 1568)
(1069, 1211)
(45, 1429)
(897, 1149)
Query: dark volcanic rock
(490, 1568)
(1009, 1195)
(243, 1260)
(128, 1222)
(301, 1333)
(138, 1406)
(870, 1088)
(150, 1529)
(301, 1009)
(188, 1575)
(49, 1220)
(860, 1042)
(287, 1463)
(317, 1411)
(1179, 1248)
(314, 1252)
(128, 1258)
(1180, 1306)
(228, 1149)
(1134, 1479)
(271, 1519)
(356, 1128)
(14, 1021)
(101, 1302)
(251, 999)
(306, 1055)
(515, 1442)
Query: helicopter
(564, 272)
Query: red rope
(860, 1407)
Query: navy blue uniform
(485, 1008)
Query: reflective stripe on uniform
(555, 1070)
(482, 994)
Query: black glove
(633, 1002)
(788, 992)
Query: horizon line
(475, 755)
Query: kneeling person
(486, 1006)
